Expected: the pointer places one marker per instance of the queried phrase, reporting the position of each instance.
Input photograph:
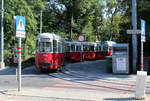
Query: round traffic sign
(81, 38)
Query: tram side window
(54, 46)
(85, 48)
(67, 48)
(72, 48)
(59, 47)
(78, 48)
(37, 46)
(91, 48)
(98, 48)
(63, 46)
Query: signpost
(142, 40)
(20, 33)
(141, 75)
(133, 31)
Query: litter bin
(120, 58)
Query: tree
(78, 14)
(28, 8)
(114, 11)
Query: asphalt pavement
(97, 84)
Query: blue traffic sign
(143, 30)
(20, 26)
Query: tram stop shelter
(120, 58)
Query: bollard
(140, 85)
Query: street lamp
(2, 65)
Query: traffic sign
(143, 30)
(20, 26)
(129, 31)
(20, 23)
(81, 38)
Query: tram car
(99, 53)
(80, 51)
(106, 48)
(73, 51)
(50, 51)
(89, 51)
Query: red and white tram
(106, 48)
(73, 51)
(50, 51)
(89, 51)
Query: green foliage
(96, 19)
(88, 32)
(31, 10)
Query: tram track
(108, 86)
(99, 79)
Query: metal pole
(41, 22)
(19, 65)
(2, 64)
(71, 23)
(134, 36)
(142, 64)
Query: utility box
(120, 58)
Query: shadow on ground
(121, 99)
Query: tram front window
(45, 47)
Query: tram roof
(73, 42)
(110, 43)
(49, 35)
(89, 43)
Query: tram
(106, 48)
(50, 51)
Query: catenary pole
(2, 64)
(134, 36)
(41, 24)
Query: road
(83, 81)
